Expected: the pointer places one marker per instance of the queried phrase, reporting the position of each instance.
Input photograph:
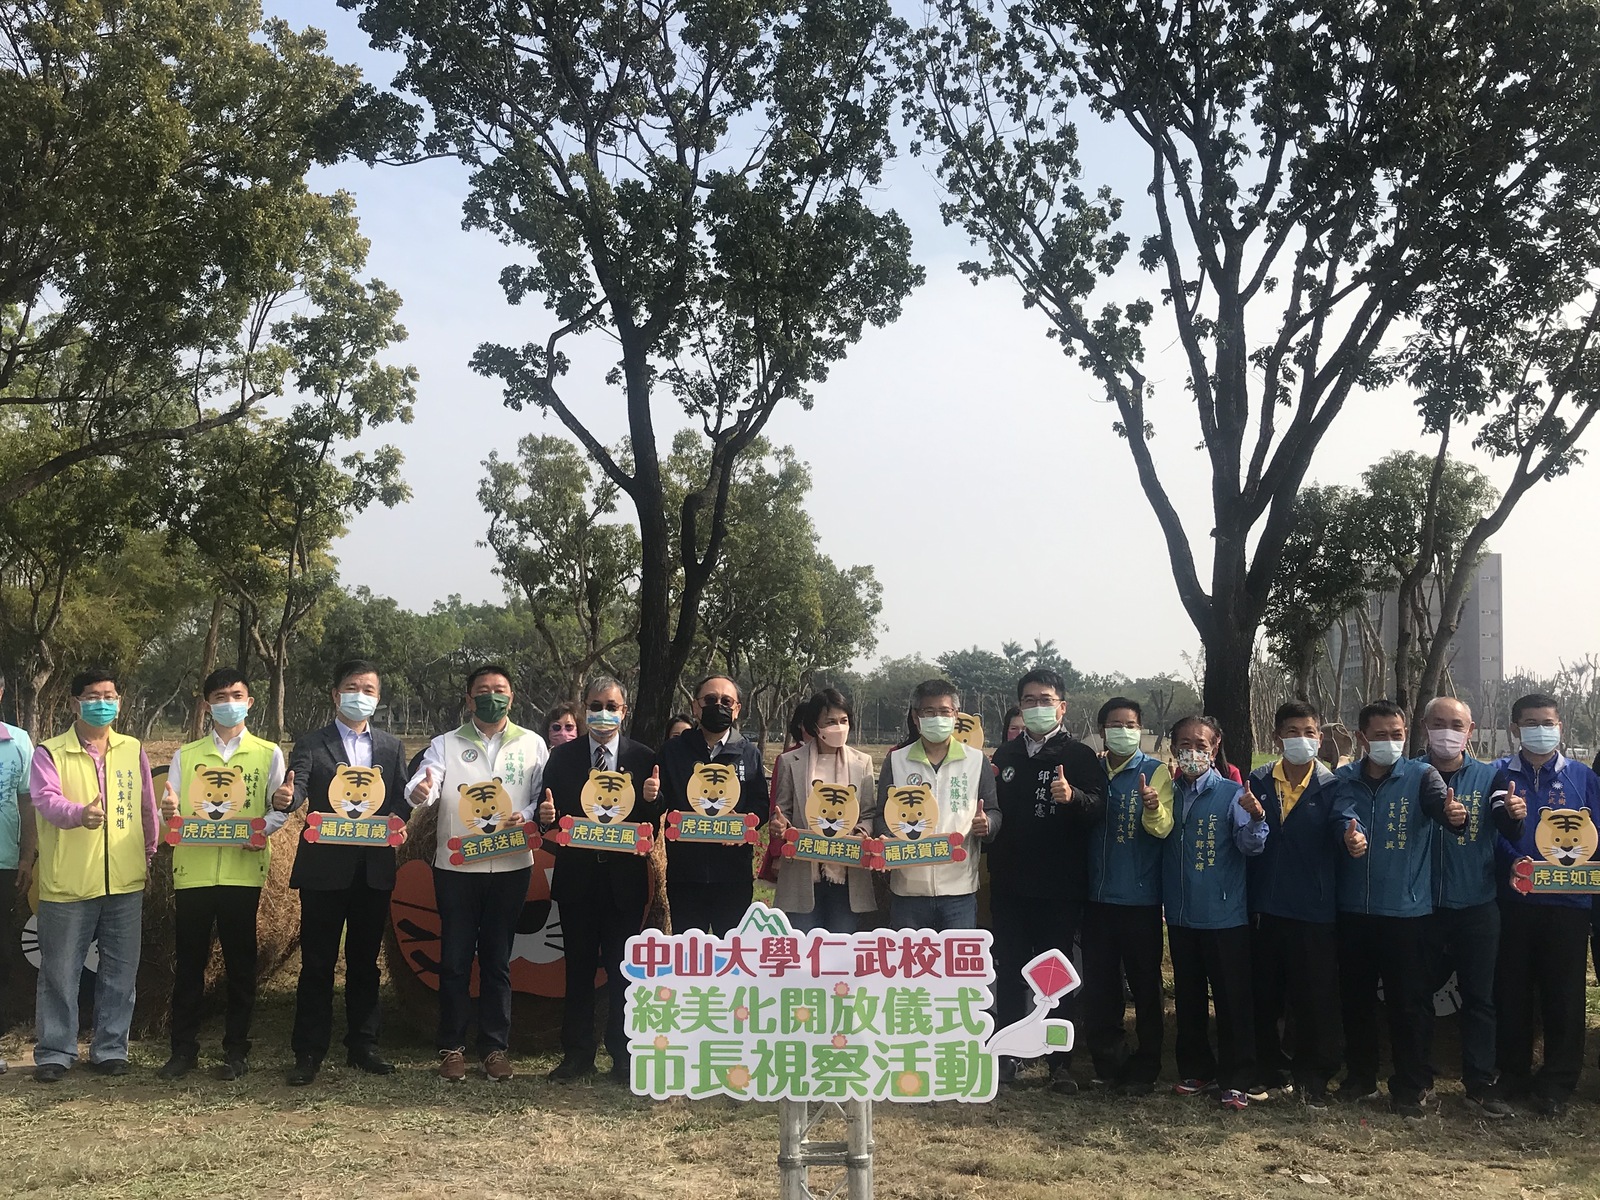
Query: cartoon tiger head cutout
(911, 812)
(483, 807)
(713, 789)
(833, 809)
(356, 792)
(1566, 836)
(217, 792)
(608, 796)
(969, 730)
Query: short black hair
(492, 668)
(355, 666)
(929, 689)
(1379, 708)
(825, 699)
(1116, 702)
(1210, 723)
(1044, 675)
(680, 718)
(802, 719)
(88, 677)
(1291, 709)
(223, 677)
(738, 692)
(1533, 700)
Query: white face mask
(1385, 754)
(1300, 750)
(1446, 743)
(833, 736)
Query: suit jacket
(328, 868)
(584, 876)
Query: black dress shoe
(176, 1067)
(112, 1067)
(368, 1061)
(622, 1073)
(569, 1068)
(49, 1073)
(234, 1068)
(304, 1071)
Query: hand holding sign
(1251, 805)
(652, 786)
(283, 798)
(94, 814)
(547, 809)
(1516, 806)
(1455, 812)
(1060, 789)
(169, 802)
(1148, 796)
(1354, 840)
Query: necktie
(599, 758)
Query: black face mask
(716, 719)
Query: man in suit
(602, 893)
(344, 889)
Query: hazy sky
(956, 451)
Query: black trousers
(229, 912)
(1467, 940)
(714, 908)
(596, 932)
(1123, 940)
(358, 914)
(1023, 927)
(1393, 951)
(1214, 962)
(8, 908)
(478, 914)
(1295, 969)
(1541, 975)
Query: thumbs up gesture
(1251, 805)
(547, 809)
(423, 792)
(94, 813)
(283, 798)
(169, 802)
(1516, 806)
(1060, 789)
(1454, 811)
(1354, 840)
(652, 786)
(1150, 798)
(980, 823)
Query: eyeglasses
(608, 706)
(724, 701)
(1031, 701)
(936, 712)
(566, 727)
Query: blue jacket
(1202, 876)
(1124, 856)
(1463, 860)
(1293, 876)
(1560, 783)
(1394, 878)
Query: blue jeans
(65, 930)
(934, 912)
(831, 912)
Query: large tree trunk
(208, 663)
(1226, 692)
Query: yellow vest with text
(226, 866)
(81, 864)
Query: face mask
(559, 735)
(716, 719)
(603, 721)
(1385, 754)
(491, 707)
(1540, 739)
(1123, 741)
(98, 713)
(1300, 750)
(357, 706)
(1193, 763)
(834, 736)
(1446, 743)
(1040, 720)
(936, 729)
(231, 713)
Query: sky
(956, 451)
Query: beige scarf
(826, 766)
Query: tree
(156, 157)
(691, 181)
(1312, 175)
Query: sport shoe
(497, 1066)
(452, 1066)
(1257, 1092)
(1409, 1108)
(233, 1068)
(1491, 1106)
(110, 1067)
(1009, 1069)
(1314, 1098)
(1358, 1091)
(1194, 1087)
(49, 1073)
(1235, 1100)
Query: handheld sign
(519, 839)
(911, 813)
(216, 794)
(832, 812)
(1568, 841)
(355, 795)
(732, 830)
(969, 730)
(199, 831)
(607, 799)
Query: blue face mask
(98, 713)
(1539, 739)
(231, 713)
(603, 721)
(357, 706)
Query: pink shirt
(50, 803)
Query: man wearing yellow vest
(219, 887)
(96, 812)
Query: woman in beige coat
(824, 895)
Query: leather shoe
(368, 1061)
(111, 1067)
(304, 1071)
(176, 1067)
(49, 1073)
(234, 1068)
(568, 1069)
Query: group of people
(1286, 899)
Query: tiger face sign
(713, 789)
(217, 793)
(483, 807)
(969, 730)
(833, 809)
(607, 797)
(356, 792)
(1566, 837)
(911, 812)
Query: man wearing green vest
(96, 813)
(218, 888)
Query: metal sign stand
(797, 1153)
